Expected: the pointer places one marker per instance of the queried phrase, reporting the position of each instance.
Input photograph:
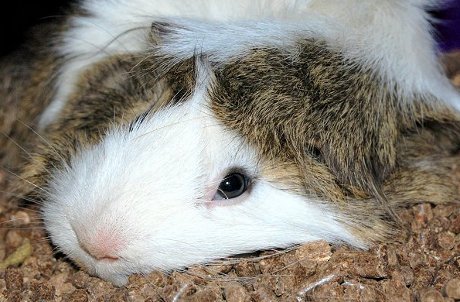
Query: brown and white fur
(336, 113)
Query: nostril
(104, 245)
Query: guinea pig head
(177, 187)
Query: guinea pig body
(178, 132)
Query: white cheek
(270, 217)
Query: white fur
(393, 37)
(148, 188)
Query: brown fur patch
(115, 92)
(313, 104)
(319, 111)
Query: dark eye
(232, 186)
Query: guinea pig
(166, 133)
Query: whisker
(25, 180)
(236, 259)
(29, 199)
(56, 16)
(115, 38)
(221, 277)
(15, 219)
(142, 60)
(166, 126)
(17, 144)
(42, 240)
(41, 137)
(21, 228)
(35, 132)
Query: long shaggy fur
(136, 112)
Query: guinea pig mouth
(116, 271)
(98, 256)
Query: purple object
(447, 25)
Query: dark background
(17, 16)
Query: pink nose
(103, 246)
